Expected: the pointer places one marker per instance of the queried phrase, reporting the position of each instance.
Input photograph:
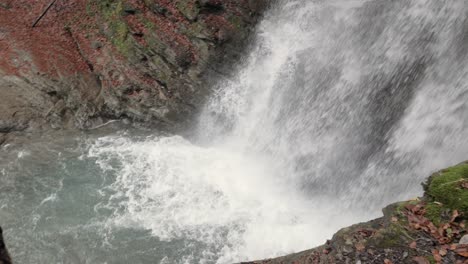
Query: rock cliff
(89, 61)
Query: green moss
(111, 11)
(198, 30)
(400, 208)
(237, 22)
(434, 212)
(120, 36)
(149, 25)
(394, 235)
(90, 9)
(445, 187)
(188, 8)
(431, 259)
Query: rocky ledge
(88, 61)
(428, 230)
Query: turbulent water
(339, 108)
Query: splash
(340, 108)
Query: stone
(464, 240)
(96, 44)
(3, 138)
(4, 255)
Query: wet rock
(4, 255)
(464, 240)
(257, 5)
(96, 44)
(188, 8)
(3, 138)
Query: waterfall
(338, 109)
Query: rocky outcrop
(4, 255)
(91, 60)
(428, 230)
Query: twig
(43, 13)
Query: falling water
(339, 108)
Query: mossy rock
(446, 187)
(188, 8)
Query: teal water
(54, 207)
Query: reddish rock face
(87, 60)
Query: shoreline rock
(4, 255)
(431, 229)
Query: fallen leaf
(464, 185)
(413, 245)
(462, 250)
(443, 252)
(360, 247)
(444, 240)
(455, 214)
(421, 260)
(436, 255)
(387, 261)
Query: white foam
(231, 201)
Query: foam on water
(229, 201)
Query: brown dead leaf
(366, 232)
(444, 240)
(443, 252)
(409, 207)
(455, 214)
(462, 250)
(436, 255)
(421, 260)
(360, 247)
(387, 261)
(418, 209)
(464, 185)
(413, 245)
(453, 247)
